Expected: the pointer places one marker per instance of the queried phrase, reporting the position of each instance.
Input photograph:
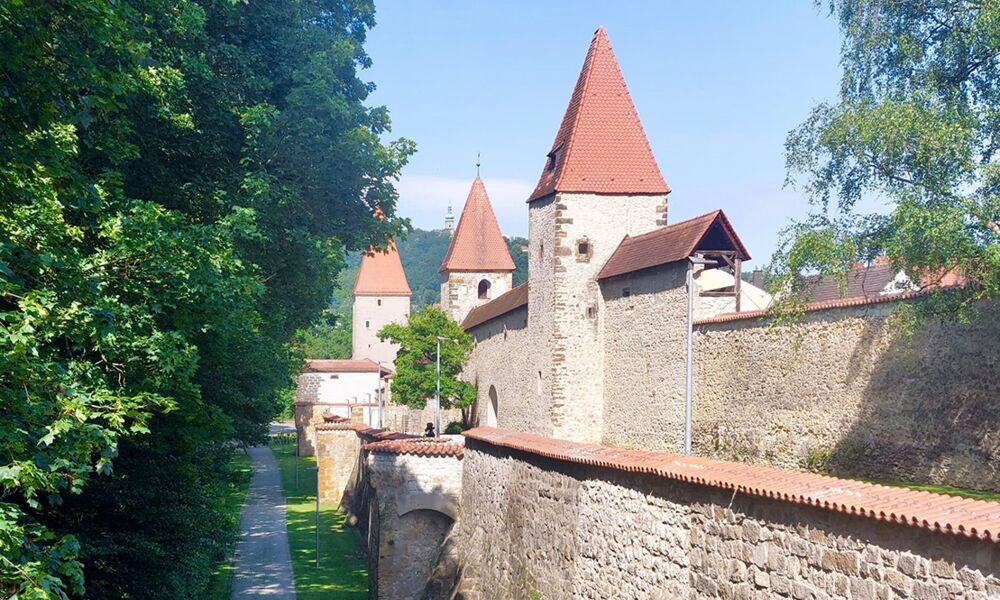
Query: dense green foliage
(328, 337)
(237, 485)
(415, 380)
(422, 252)
(179, 181)
(916, 125)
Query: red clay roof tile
(947, 514)
(672, 243)
(417, 447)
(826, 305)
(478, 244)
(499, 306)
(350, 365)
(381, 274)
(600, 147)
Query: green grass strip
(220, 586)
(343, 571)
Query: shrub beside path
(263, 565)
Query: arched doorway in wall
(493, 409)
(411, 561)
(484, 290)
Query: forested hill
(422, 252)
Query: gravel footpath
(263, 561)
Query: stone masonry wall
(843, 390)
(543, 527)
(336, 456)
(417, 499)
(601, 222)
(460, 290)
(539, 331)
(504, 364)
(644, 367)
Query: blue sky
(718, 85)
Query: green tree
(516, 246)
(916, 125)
(415, 380)
(329, 336)
(179, 183)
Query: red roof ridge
(417, 446)
(381, 273)
(829, 304)
(341, 365)
(477, 244)
(497, 307)
(600, 146)
(979, 519)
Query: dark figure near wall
(429, 430)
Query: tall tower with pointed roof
(599, 183)
(477, 266)
(381, 296)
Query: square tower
(381, 296)
(477, 266)
(599, 184)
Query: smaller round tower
(477, 266)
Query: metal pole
(381, 406)
(437, 404)
(689, 387)
(687, 372)
(316, 469)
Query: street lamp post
(381, 404)
(437, 407)
(689, 387)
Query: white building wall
(372, 313)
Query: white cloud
(424, 199)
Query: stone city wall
(843, 390)
(403, 494)
(418, 486)
(644, 348)
(553, 519)
(505, 373)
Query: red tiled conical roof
(601, 147)
(381, 274)
(477, 244)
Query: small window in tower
(541, 251)
(591, 312)
(626, 292)
(484, 290)
(367, 324)
(379, 302)
(553, 157)
(538, 385)
(584, 250)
